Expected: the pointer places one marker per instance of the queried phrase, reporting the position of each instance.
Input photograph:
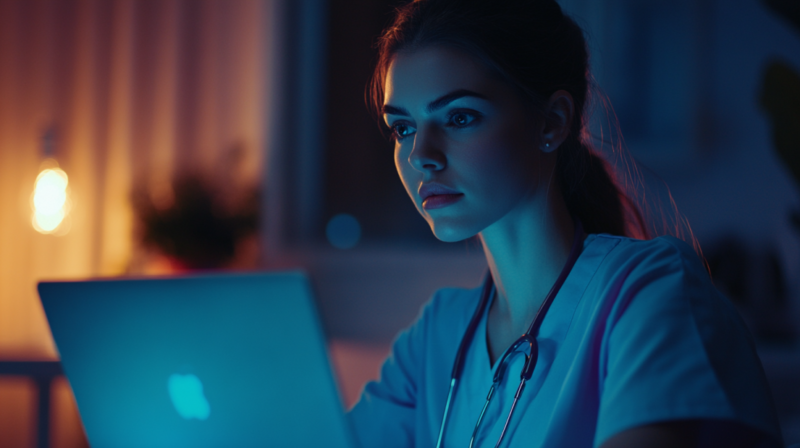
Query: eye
(461, 119)
(402, 130)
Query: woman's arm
(691, 434)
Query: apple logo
(186, 392)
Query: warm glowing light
(50, 201)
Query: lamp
(50, 202)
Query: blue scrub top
(637, 334)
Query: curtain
(128, 93)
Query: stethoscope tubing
(529, 337)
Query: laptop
(199, 361)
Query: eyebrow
(436, 104)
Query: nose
(426, 154)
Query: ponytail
(593, 195)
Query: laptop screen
(202, 361)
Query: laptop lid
(201, 361)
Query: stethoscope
(527, 338)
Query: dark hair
(539, 50)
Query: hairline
(532, 99)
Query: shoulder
(449, 309)
(661, 282)
(458, 301)
(440, 322)
(665, 253)
(663, 268)
(429, 343)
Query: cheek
(502, 162)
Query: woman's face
(467, 147)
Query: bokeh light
(343, 231)
(50, 201)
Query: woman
(631, 345)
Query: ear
(557, 120)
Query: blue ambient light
(186, 392)
(343, 231)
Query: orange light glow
(50, 202)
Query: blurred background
(150, 137)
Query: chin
(450, 233)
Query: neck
(526, 251)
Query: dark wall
(360, 178)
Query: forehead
(425, 74)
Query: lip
(437, 196)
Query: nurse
(628, 342)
